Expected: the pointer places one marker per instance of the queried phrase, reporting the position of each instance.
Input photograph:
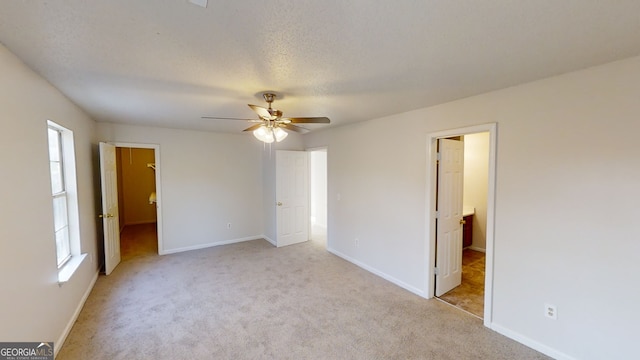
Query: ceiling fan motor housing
(269, 97)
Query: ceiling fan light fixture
(271, 125)
(280, 134)
(264, 134)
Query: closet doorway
(138, 200)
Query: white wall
(208, 180)
(32, 306)
(476, 182)
(566, 204)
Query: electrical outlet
(228, 225)
(551, 311)
(357, 242)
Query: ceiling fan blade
(253, 127)
(262, 112)
(224, 118)
(294, 128)
(308, 120)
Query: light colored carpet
(253, 301)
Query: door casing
(430, 221)
(158, 172)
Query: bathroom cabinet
(467, 233)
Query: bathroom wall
(476, 178)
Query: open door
(108, 185)
(292, 197)
(449, 219)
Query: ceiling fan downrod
(269, 98)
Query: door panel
(448, 222)
(292, 197)
(110, 224)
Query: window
(66, 230)
(59, 194)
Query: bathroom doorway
(468, 294)
(480, 212)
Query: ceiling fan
(271, 125)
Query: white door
(449, 207)
(111, 229)
(292, 197)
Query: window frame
(66, 154)
(59, 218)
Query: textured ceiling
(168, 62)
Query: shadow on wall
(97, 192)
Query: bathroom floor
(469, 296)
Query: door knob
(279, 203)
(463, 221)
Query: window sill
(67, 270)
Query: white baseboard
(476, 249)
(140, 222)
(208, 245)
(72, 321)
(269, 240)
(530, 343)
(374, 271)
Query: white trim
(141, 222)
(531, 343)
(377, 272)
(317, 148)
(208, 245)
(67, 270)
(63, 337)
(430, 240)
(461, 309)
(158, 171)
(477, 249)
(270, 240)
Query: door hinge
(438, 156)
(435, 271)
(437, 214)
